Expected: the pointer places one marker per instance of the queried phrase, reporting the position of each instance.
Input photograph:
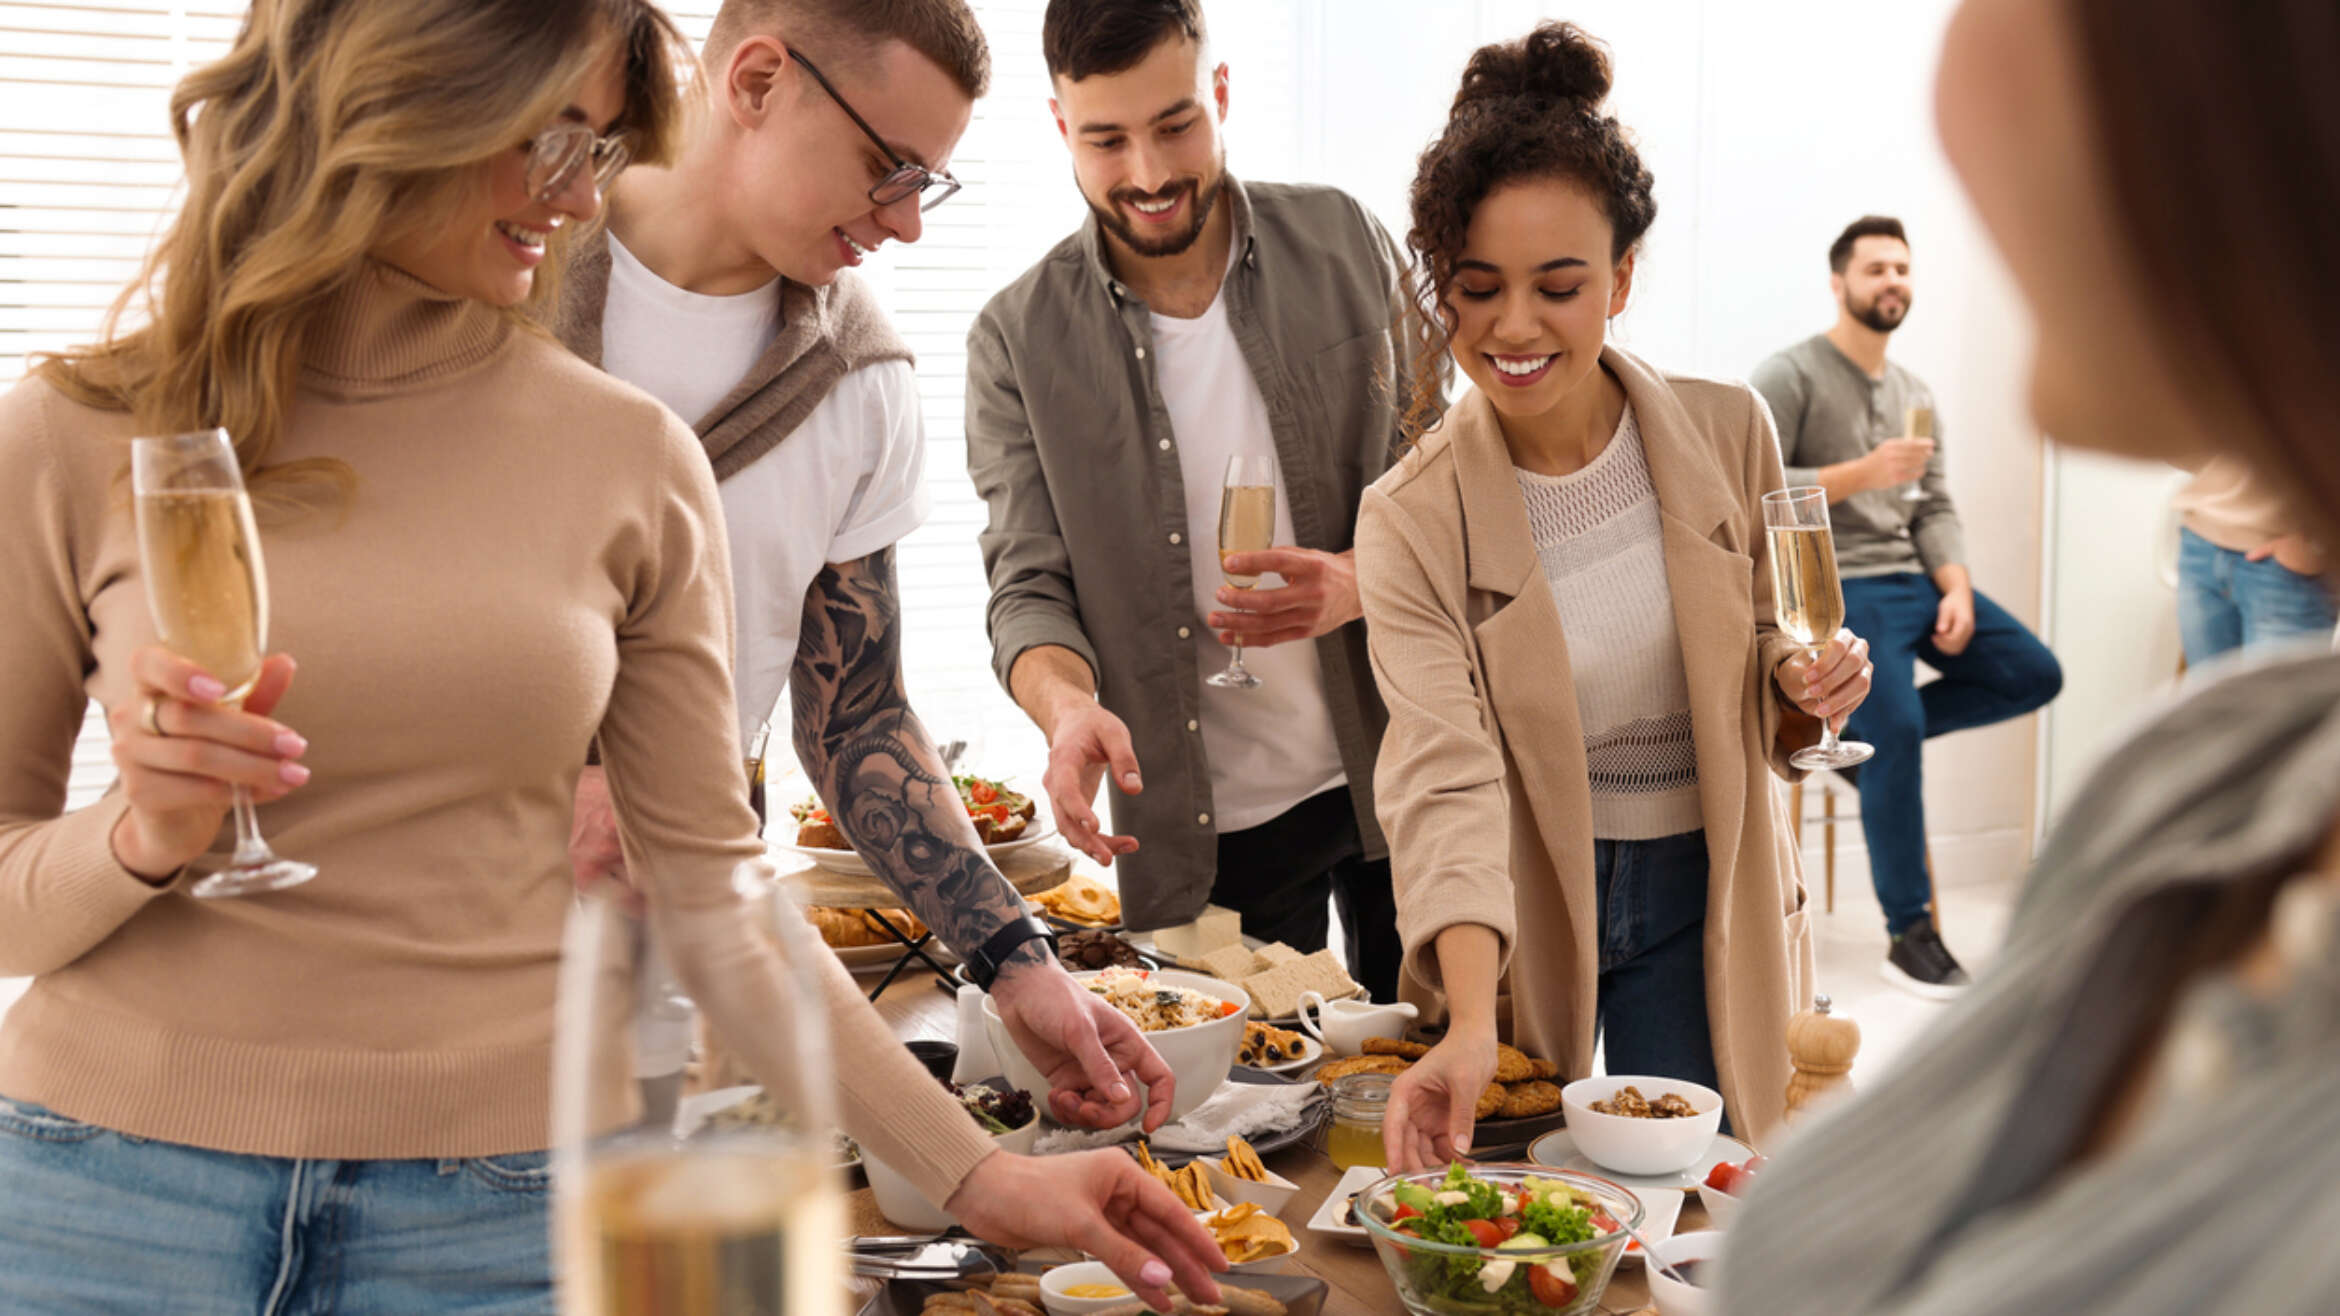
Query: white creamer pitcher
(1343, 1026)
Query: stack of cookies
(1523, 1085)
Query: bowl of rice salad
(1195, 1023)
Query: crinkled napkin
(1245, 1110)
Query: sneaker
(1920, 964)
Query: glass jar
(1353, 1138)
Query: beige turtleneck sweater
(534, 558)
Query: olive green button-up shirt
(1069, 442)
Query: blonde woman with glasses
(487, 556)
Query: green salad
(1533, 1216)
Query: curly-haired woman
(1569, 599)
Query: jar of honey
(1353, 1138)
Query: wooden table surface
(1359, 1286)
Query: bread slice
(1233, 963)
(1275, 991)
(1275, 953)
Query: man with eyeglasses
(1194, 318)
(721, 288)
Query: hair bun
(1556, 62)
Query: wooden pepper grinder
(1821, 1046)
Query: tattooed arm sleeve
(870, 758)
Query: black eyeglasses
(907, 178)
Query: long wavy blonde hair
(331, 128)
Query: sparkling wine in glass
(1809, 598)
(1917, 423)
(737, 1202)
(207, 590)
(754, 760)
(1247, 524)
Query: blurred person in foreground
(2134, 1110)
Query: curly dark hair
(1529, 108)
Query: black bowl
(940, 1057)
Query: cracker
(1512, 1065)
(1391, 1046)
(1490, 1101)
(1362, 1065)
(1539, 1069)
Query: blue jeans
(2226, 601)
(2004, 672)
(95, 1221)
(1652, 1006)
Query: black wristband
(983, 963)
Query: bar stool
(1831, 785)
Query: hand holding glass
(208, 592)
(1917, 423)
(1809, 599)
(1247, 524)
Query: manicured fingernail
(207, 689)
(291, 746)
(1154, 1274)
(292, 773)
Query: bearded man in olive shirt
(1193, 318)
(1843, 414)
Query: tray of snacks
(1522, 1103)
(1272, 973)
(1088, 1282)
(1006, 822)
(1079, 902)
(854, 936)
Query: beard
(1883, 320)
(1203, 198)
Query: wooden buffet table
(915, 1008)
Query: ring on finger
(150, 717)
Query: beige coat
(1482, 787)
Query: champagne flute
(207, 590)
(1247, 524)
(737, 1203)
(754, 759)
(1809, 599)
(1917, 423)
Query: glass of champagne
(1809, 599)
(755, 772)
(207, 590)
(1917, 423)
(1247, 524)
(735, 1202)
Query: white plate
(850, 863)
(1661, 1210)
(1557, 1150)
(1311, 1052)
(692, 1113)
(1327, 1222)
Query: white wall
(1767, 128)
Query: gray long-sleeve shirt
(1829, 410)
(1069, 442)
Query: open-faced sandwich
(999, 814)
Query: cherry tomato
(1404, 1212)
(998, 812)
(1508, 1224)
(1549, 1289)
(1483, 1232)
(1724, 1179)
(982, 792)
(1604, 1222)
(1755, 1162)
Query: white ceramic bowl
(1199, 1055)
(1059, 1303)
(905, 1206)
(1721, 1207)
(1641, 1146)
(1680, 1299)
(1273, 1195)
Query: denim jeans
(1652, 1007)
(2226, 601)
(97, 1221)
(2003, 672)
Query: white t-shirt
(1271, 747)
(848, 481)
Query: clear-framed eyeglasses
(907, 178)
(556, 154)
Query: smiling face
(801, 169)
(1146, 148)
(490, 249)
(1875, 287)
(1533, 290)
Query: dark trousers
(2004, 672)
(1282, 875)
(1651, 1011)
